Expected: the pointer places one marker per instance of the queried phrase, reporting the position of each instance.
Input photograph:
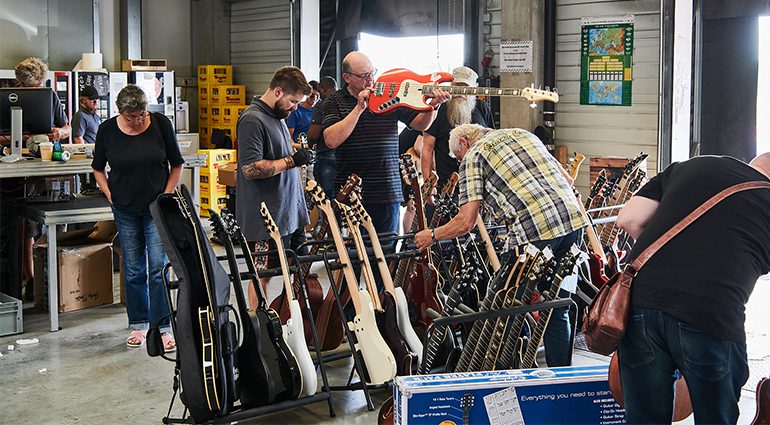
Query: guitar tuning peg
(540, 87)
(533, 105)
(532, 85)
(547, 88)
(555, 90)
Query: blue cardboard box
(564, 395)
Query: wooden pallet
(144, 65)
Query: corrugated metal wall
(260, 41)
(596, 130)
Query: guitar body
(424, 290)
(380, 365)
(682, 403)
(282, 305)
(762, 416)
(329, 323)
(387, 322)
(293, 334)
(400, 87)
(598, 277)
(278, 356)
(405, 325)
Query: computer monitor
(36, 104)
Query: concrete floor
(84, 374)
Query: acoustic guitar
(293, 330)
(403, 88)
(379, 363)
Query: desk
(79, 210)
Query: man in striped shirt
(367, 143)
(513, 173)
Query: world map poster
(606, 58)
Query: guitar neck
(474, 91)
(494, 261)
(506, 357)
(366, 268)
(249, 259)
(188, 213)
(342, 252)
(438, 335)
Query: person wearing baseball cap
(461, 109)
(86, 120)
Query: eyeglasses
(366, 76)
(135, 117)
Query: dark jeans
(655, 346)
(324, 171)
(146, 302)
(558, 335)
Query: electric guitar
(380, 365)
(403, 88)
(565, 268)
(466, 403)
(329, 322)
(762, 417)
(280, 360)
(617, 190)
(293, 330)
(395, 309)
(207, 321)
(257, 381)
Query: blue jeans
(324, 171)
(655, 346)
(146, 302)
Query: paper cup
(46, 151)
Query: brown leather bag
(605, 323)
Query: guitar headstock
(634, 163)
(601, 179)
(352, 184)
(358, 209)
(408, 168)
(347, 213)
(228, 219)
(318, 196)
(538, 95)
(573, 164)
(568, 262)
(451, 184)
(302, 140)
(218, 225)
(272, 228)
(636, 180)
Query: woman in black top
(144, 162)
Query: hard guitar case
(177, 224)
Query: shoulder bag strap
(637, 264)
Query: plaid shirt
(515, 175)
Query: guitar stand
(490, 315)
(239, 415)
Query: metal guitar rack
(239, 415)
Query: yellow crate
(204, 95)
(216, 191)
(215, 115)
(215, 158)
(226, 95)
(229, 114)
(204, 135)
(215, 74)
(203, 113)
(214, 202)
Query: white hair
(470, 132)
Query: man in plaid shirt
(523, 185)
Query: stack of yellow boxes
(219, 102)
(213, 195)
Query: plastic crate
(10, 315)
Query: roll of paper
(91, 61)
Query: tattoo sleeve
(261, 169)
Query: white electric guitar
(293, 330)
(379, 362)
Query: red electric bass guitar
(403, 88)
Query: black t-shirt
(445, 164)
(371, 150)
(705, 274)
(139, 165)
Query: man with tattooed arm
(268, 168)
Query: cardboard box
(227, 95)
(574, 395)
(228, 174)
(85, 276)
(215, 74)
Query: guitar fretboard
(476, 91)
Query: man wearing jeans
(512, 172)
(688, 300)
(325, 168)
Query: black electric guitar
(207, 322)
(565, 268)
(257, 387)
(280, 361)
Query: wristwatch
(433, 235)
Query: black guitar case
(177, 225)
